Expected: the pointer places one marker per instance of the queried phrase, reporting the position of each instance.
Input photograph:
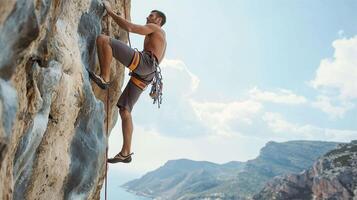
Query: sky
(238, 74)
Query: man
(142, 64)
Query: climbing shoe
(120, 158)
(98, 80)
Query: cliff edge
(52, 118)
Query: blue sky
(240, 73)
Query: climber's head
(156, 17)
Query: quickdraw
(157, 86)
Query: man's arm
(128, 26)
(134, 28)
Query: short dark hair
(162, 15)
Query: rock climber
(141, 63)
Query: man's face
(152, 18)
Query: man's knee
(124, 113)
(102, 39)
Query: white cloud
(335, 79)
(292, 131)
(218, 116)
(282, 96)
(325, 104)
(175, 115)
(170, 67)
(277, 123)
(340, 72)
(152, 149)
(228, 118)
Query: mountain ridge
(188, 179)
(332, 176)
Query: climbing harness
(135, 78)
(141, 84)
(156, 83)
(135, 62)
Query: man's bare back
(156, 42)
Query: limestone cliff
(333, 176)
(52, 118)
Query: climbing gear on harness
(120, 158)
(157, 86)
(99, 80)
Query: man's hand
(107, 6)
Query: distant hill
(333, 176)
(186, 179)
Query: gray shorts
(145, 71)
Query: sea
(114, 189)
(120, 194)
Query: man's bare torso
(156, 43)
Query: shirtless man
(142, 64)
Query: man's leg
(105, 55)
(127, 128)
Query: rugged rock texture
(190, 180)
(333, 176)
(52, 119)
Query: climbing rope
(107, 126)
(107, 110)
(106, 150)
(126, 18)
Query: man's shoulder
(154, 27)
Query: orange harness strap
(135, 62)
(142, 85)
(133, 65)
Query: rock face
(52, 118)
(333, 176)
